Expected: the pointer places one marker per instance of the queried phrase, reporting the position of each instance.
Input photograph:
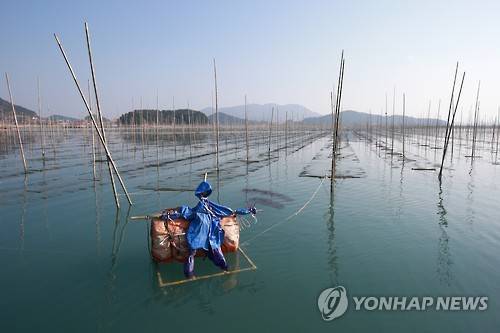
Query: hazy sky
(273, 51)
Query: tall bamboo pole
(476, 112)
(98, 105)
(216, 120)
(403, 126)
(385, 143)
(17, 124)
(437, 124)
(393, 116)
(451, 102)
(270, 132)
(286, 132)
(447, 137)
(96, 127)
(157, 128)
(93, 136)
(175, 121)
(339, 102)
(427, 125)
(496, 149)
(42, 139)
(337, 119)
(246, 127)
(332, 171)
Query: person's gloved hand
(253, 210)
(164, 215)
(168, 214)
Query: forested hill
(165, 117)
(23, 114)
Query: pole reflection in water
(23, 215)
(444, 256)
(332, 248)
(470, 212)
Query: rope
(289, 217)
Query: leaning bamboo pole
(17, 124)
(451, 102)
(339, 100)
(99, 113)
(336, 119)
(93, 136)
(96, 127)
(448, 132)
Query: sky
(285, 52)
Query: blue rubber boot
(189, 265)
(217, 258)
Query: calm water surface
(71, 263)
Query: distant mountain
(182, 116)
(227, 119)
(355, 118)
(262, 112)
(104, 119)
(58, 117)
(23, 114)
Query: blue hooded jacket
(204, 230)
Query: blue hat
(204, 187)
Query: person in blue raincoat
(204, 231)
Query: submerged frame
(253, 267)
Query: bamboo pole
(216, 120)
(336, 120)
(476, 112)
(403, 126)
(157, 128)
(496, 149)
(339, 100)
(189, 131)
(451, 102)
(246, 127)
(42, 143)
(385, 143)
(286, 132)
(99, 114)
(393, 116)
(142, 130)
(447, 137)
(17, 124)
(437, 124)
(93, 136)
(332, 171)
(96, 127)
(427, 125)
(175, 121)
(270, 132)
